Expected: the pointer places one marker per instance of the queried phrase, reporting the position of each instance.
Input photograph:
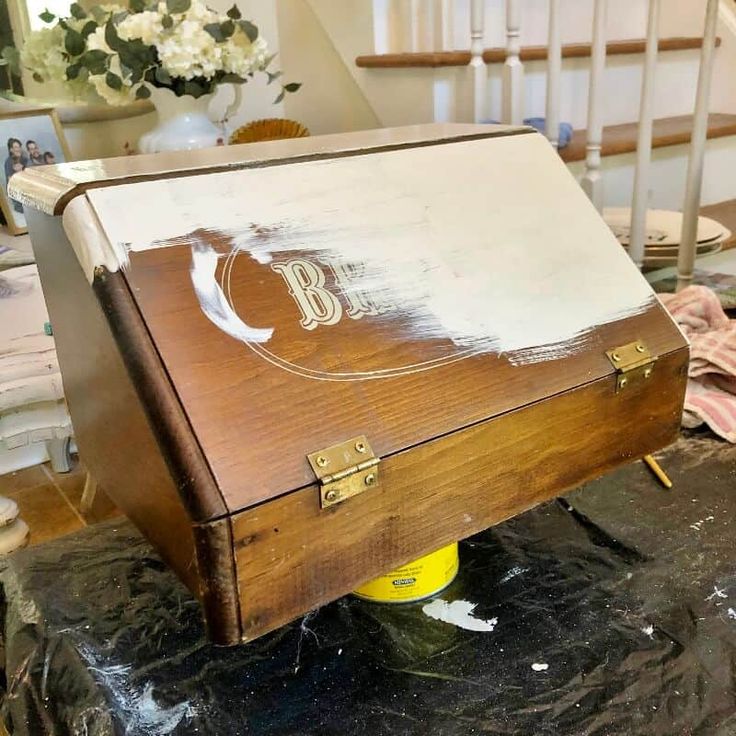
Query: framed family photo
(29, 137)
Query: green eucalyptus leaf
(167, 21)
(77, 11)
(268, 60)
(98, 13)
(280, 97)
(119, 17)
(227, 28)
(249, 29)
(113, 81)
(72, 71)
(37, 77)
(95, 61)
(214, 30)
(142, 93)
(89, 28)
(194, 88)
(137, 6)
(162, 76)
(292, 86)
(74, 43)
(234, 13)
(63, 24)
(111, 36)
(272, 76)
(136, 55)
(178, 6)
(47, 16)
(232, 79)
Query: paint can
(416, 580)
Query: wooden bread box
(297, 365)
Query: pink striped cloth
(711, 387)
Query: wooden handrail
(528, 53)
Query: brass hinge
(344, 470)
(633, 363)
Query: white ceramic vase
(184, 123)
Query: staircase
(462, 60)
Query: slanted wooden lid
(402, 294)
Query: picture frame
(28, 137)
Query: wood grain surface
(259, 410)
(293, 557)
(528, 53)
(618, 139)
(257, 422)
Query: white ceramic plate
(663, 227)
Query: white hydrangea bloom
(43, 53)
(185, 50)
(241, 57)
(96, 41)
(188, 51)
(147, 26)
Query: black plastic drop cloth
(612, 611)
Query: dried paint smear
(458, 613)
(488, 243)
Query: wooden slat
(673, 131)
(528, 53)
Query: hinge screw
(623, 381)
(647, 372)
(639, 348)
(360, 446)
(616, 357)
(322, 461)
(370, 479)
(331, 496)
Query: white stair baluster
(447, 24)
(512, 110)
(415, 22)
(554, 71)
(478, 66)
(689, 233)
(382, 27)
(640, 198)
(592, 182)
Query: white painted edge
(88, 240)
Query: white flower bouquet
(122, 53)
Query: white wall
(330, 99)
(257, 96)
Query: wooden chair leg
(88, 494)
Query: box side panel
(115, 438)
(292, 557)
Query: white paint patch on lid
(458, 613)
(491, 244)
(212, 300)
(540, 666)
